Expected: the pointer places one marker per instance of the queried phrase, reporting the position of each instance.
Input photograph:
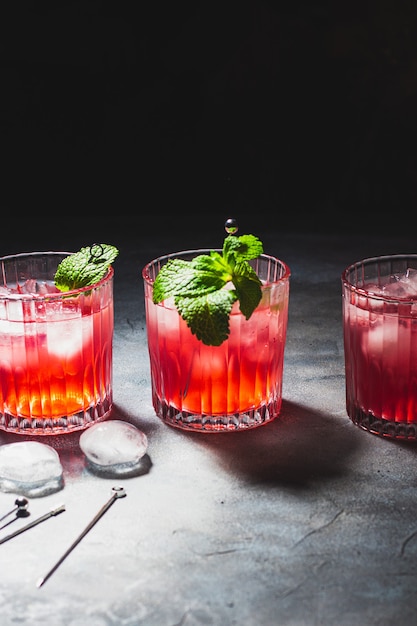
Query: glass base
(404, 431)
(252, 418)
(57, 426)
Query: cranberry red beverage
(233, 385)
(55, 347)
(380, 344)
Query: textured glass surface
(236, 385)
(55, 348)
(380, 344)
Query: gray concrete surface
(307, 521)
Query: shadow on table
(297, 448)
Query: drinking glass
(231, 387)
(55, 348)
(380, 344)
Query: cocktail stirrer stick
(35, 522)
(117, 492)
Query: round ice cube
(113, 443)
(30, 468)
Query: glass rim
(48, 296)
(195, 251)
(363, 291)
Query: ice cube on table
(30, 468)
(115, 447)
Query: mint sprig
(84, 268)
(198, 287)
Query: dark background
(178, 115)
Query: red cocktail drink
(55, 348)
(380, 344)
(233, 386)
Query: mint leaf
(243, 248)
(84, 268)
(248, 288)
(198, 287)
(208, 315)
(186, 278)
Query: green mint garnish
(84, 268)
(197, 287)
